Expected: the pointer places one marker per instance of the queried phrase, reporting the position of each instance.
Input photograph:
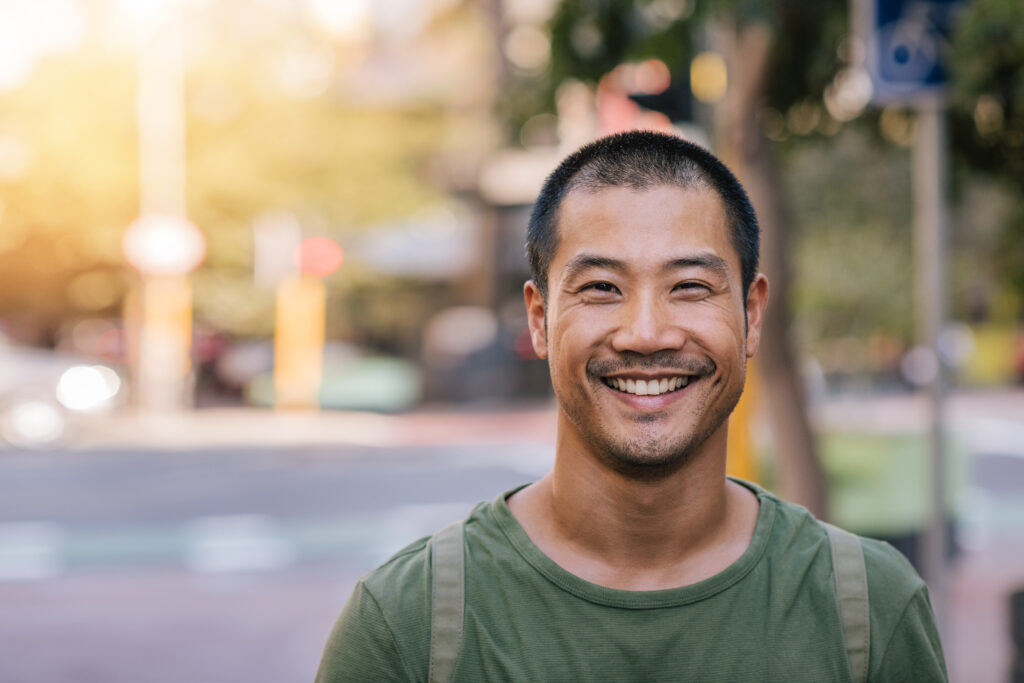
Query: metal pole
(163, 364)
(161, 111)
(931, 227)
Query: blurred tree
(988, 116)
(269, 127)
(862, 225)
(337, 167)
(68, 188)
(780, 55)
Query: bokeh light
(159, 244)
(87, 387)
(708, 77)
(318, 256)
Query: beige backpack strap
(852, 598)
(446, 601)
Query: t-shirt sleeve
(913, 652)
(361, 646)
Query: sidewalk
(992, 421)
(240, 427)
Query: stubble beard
(648, 454)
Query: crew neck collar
(614, 597)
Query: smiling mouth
(650, 387)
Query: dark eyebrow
(708, 261)
(583, 262)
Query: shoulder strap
(446, 601)
(852, 598)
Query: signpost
(162, 245)
(905, 43)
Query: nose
(647, 325)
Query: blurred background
(261, 320)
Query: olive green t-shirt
(770, 616)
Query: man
(636, 558)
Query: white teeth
(652, 387)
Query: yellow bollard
(299, 342)
(740, 460)
(165, 344)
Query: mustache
(665, 360)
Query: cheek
(571, 343)
(720, 333)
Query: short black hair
(640, 160)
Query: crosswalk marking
(219, 544)
(30, 550)
(236, 543)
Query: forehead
(645, 225)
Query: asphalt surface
(211, 565)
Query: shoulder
(890, 574)
(893, 584)
(401, 585)
(905, 641)
(383, 632)
(892, 580)
(794, 527)
(373, 639)
(405, 572)
(904, 638)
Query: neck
(638, 532)
(653, 516)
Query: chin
(647, 459)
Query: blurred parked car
(353, 378)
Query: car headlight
(87, 387)
(32, 422)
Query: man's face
(644, 323)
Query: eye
(599, 291)
(692, 289)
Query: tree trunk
(747, 50)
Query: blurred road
(211, 565)
(219, 546)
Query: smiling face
(646, 328)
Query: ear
(535, 315)
(757, 299)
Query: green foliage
(591, 37)
(806, 55)
(338, 168)
(73, 189)
(988, 113)
(852, 202)
(250, 149)
(988, 76)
